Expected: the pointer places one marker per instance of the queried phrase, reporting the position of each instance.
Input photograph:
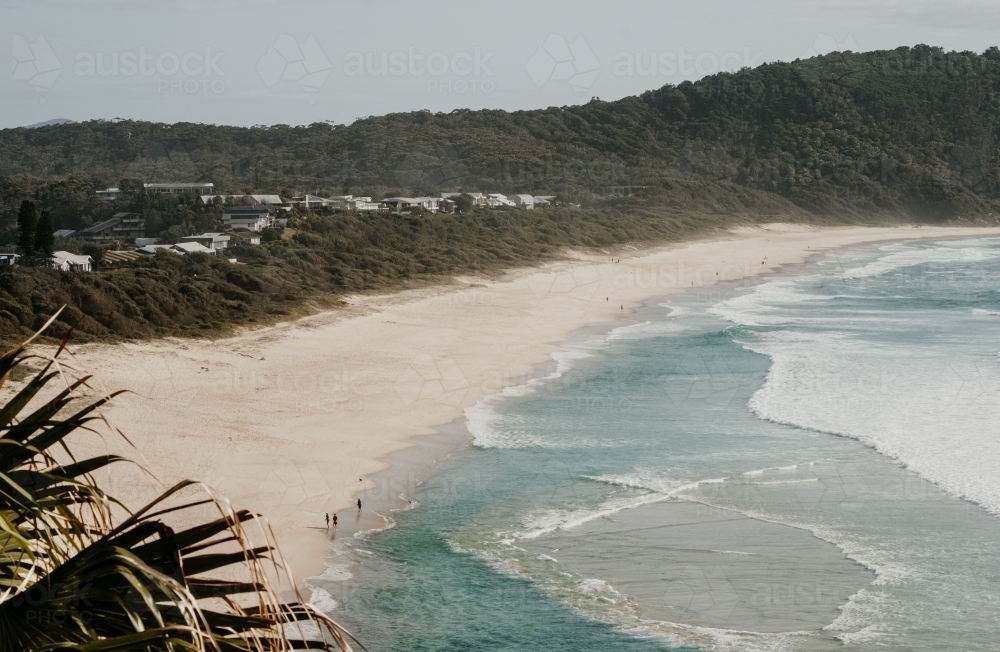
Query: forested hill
(910, 132)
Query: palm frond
(72, 578)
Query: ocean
(807, 461)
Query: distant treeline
(911, 131)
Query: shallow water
(809, 462)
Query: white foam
(905, 255)
(644, 330)
(550, 520)
(322, 600)
(492, 430)
(934, 413)
(765, 304)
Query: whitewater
(805, 462)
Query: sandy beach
(292, 420)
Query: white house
(352, 203)
(478, 198)
(63, 233)
(545, 200)
(212, 241)
(8, 259)
(192, 248)
(109, 194)
(430, 204)
(526, 202)
(495, 199)
(310, 202)
(66, 261)
(248, 237)
(256, 200)
(250, 218)
(151, 249)
(179, 188)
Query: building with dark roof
(121, 226)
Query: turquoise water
(808, 462)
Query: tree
(130, 185)
(45, 240)
(77, 575)
(27, 224)
(463, 203)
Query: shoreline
(294, 420)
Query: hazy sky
(247, 62)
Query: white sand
(286, 420)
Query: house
(246, 237)
(478, 198)
(212, 241)
(193, 247)
(152, 249)
(430, 204)
(310, 202)
(545, 200)
(8, 259)
(496, 200)
(64, 233)
(181, 248)
(119, 257)
(109, 194)
(352, 203)
(250, 218)
(179, 188)
(251, 200)
(121, 226)
(142, 242)
(526, 202)
(66, 261)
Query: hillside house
(352, 203)
(430, 204)
(478, 198)
(8, 259)
(65, 261)
(179, 188)
(246, 200)
(108, 194)
(310, 202)
(249, 218)
(246, 237)
(526, 202)
(212, 241)
(496, 200)
(121, 226)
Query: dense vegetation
(906, 134)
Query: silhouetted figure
(335, 521)
(359, 505)
(328, 521)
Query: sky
(249, 62)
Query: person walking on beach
(359, 505)
(334, 521)
(328, 520)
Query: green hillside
(907, 134)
